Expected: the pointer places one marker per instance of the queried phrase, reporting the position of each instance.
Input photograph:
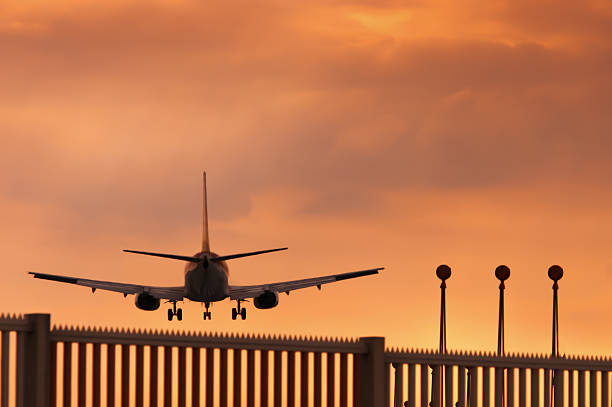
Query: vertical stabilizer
(205, 243)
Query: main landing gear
(174, 311)
(207, 314)
(238, 311)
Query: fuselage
(206, 281)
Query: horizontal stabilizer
(167, 256)
(236, 256)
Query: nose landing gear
(238, 311)
(174, 311)
(207, 314)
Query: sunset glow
(358, 133)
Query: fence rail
(42, 367)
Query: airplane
(206, 281)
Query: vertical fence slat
(398, 391)
(182, 376)
(331, 379)
(265, 376)
(486, 386)
(96, 374)
(251, 378)
(436, 383)
(424, 385)
(473, 387)
(110, 374)
(460, 387)
(52, 372)
(535, 388)
(317, 379)
(303, 379)
(223, 377)
(510, 388)
(291, 379)
(357, 372)
(387, 385)
(412, 386)
(139, 375)
(581, 388)
(125, 375)
(278, 378)
(522, 387)
(448, 386)
(593, 388)
(167, 375)
(82, 374)
(570, 388)
(343, 379)
(67, 393)
(154, 376)
(500, 394)
(605, 390)
(195, 376)
(20, 377)
(210, 376)
(237, 377)
(547, 387)
(5, 368)
(558, 387)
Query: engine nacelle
(147, 302)
(267, 300)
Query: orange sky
(358, 133)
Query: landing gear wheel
(207, 314)
(234, 313)
(179, 314)
(170, 314)
(243, 313)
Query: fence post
(37, 360)
(372, 377)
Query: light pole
(502, 273)
(556, 396)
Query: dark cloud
(116, 111)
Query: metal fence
(108, 367)
(431, 379)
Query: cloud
(141, 96)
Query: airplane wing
(251, 291)
(162, 293)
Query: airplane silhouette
(206, 280)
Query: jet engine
(147, 302)
(267, 300)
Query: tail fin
(205, 242)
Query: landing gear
(238, 311)
(207, 314)
(174, 311)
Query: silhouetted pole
(443, 272)
(437, 389)
(502, 273)
(555, 273)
